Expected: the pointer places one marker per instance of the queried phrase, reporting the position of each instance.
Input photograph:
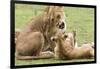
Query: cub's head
(64, 38)
(56, 17)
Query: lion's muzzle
(62, 25)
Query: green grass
(48, 61)
(79, 19)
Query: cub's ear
(74, 33)
(54, 39)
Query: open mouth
(62, 26)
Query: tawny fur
(35, 36)
(65, 50)
(17, 32)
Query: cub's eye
(53, 38)
(65, 36)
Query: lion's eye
(58, 16)
(52, 19)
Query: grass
(79, 19)
(47, 61)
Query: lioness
(35, 36)
(65, 50)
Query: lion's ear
(61, 8)
(48, 9)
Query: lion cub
(65, 47)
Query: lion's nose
(62, 25)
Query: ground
(79, 19)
